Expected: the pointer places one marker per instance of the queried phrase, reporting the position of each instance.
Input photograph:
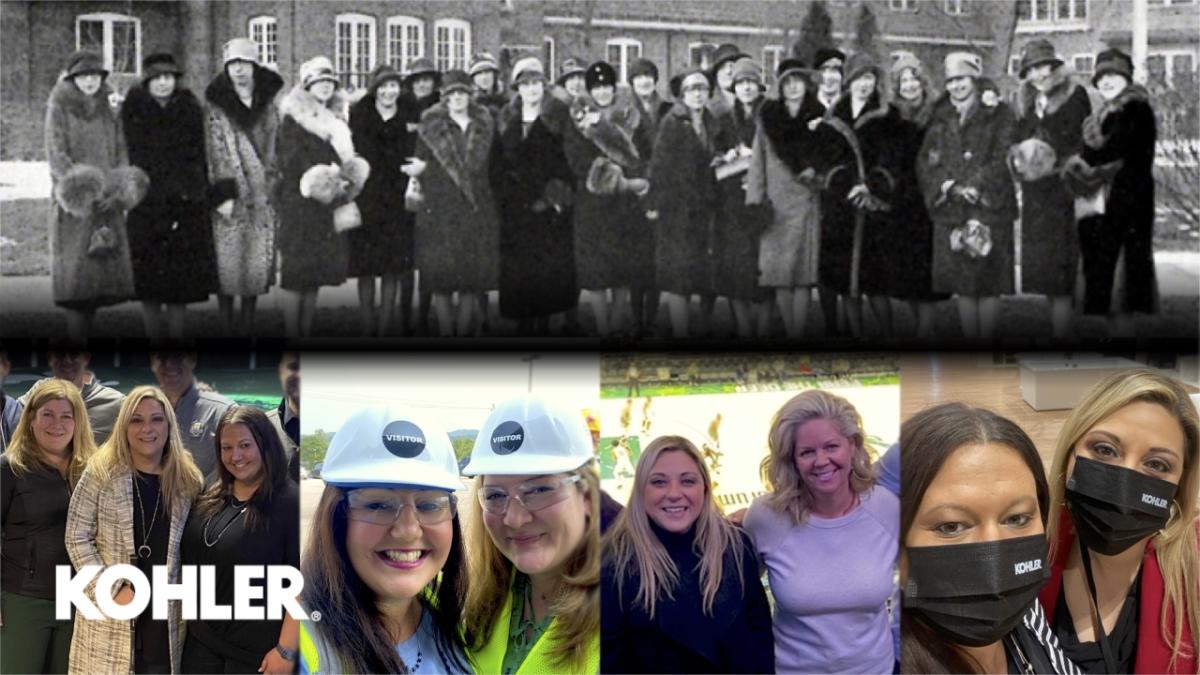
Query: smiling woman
(680, 587)
(824, 523)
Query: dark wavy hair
(275, 468)
(351, 622)
(927, 440)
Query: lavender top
(831, 579)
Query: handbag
(103, 242)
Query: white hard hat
(529, 435)
(391, 447)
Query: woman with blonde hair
(1124, 593)
(829, 540)
(38, 470)
(534, 601)
(131, 504)
(680, 587)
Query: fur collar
(786, 133)
(66, 96)
(1062, 87)
(1093, 125)
(917, 113)
(875, 109)
(140, 104)
(327, 122)
(623, 112)
(436, 132)
(221, 95)
(553, 113)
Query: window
(1084, 64)
(771, 56)
(116, 36)
(405, 41)
(700, 54)
(622, 52)
(1170, 68)
(1014, 65)
(264, 31)
(955, 6)
(1049, 11)
(550, 58)
(355, 49)
(902, 5)
(452, 44)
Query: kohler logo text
(1154, 501)
(1028, 566)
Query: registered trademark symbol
(316, 616)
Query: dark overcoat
(170, 232)
(971, 152)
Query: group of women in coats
(838, 181)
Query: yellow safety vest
(490, 659)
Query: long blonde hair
(788, 493)
(23, 451)
(577, 606)
(1175, 544)
(181, 478)
(636, 553)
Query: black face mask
(976, 593)
(1113, 508)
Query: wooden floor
(973, 378)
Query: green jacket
(489, 660)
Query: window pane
(1041, 10)
(124, 48)
(614, 54)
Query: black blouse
(223, 541)
(151, 527)
(1122, 641)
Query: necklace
(204, 531)
(144, 550)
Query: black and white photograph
(965, 173)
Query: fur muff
(1032, 159)
(355, 171)
(127, 185)
(79, 190)
(323, 183)
(604, 178)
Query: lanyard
(1110, 662)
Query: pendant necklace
(204, 531)
(144, 551)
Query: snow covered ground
(24, 180)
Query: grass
(25, 237)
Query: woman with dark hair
(973, 555)
(680, 588)
(85, 148)
(38, 471)
(385, 565)
(534, 193)
(383, 247)
(250, 516)
(170, 232)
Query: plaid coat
(100, 532)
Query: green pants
(31, 639)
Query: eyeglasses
(534, 495)
(378, 507)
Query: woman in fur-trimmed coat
(320, 174)
(607, 241)
(84, 141)
(170, 232)
(1119, 139)
(1049, 238)
(241, 147)
(458, 231)
(534, 194)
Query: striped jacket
(100, 532)
(1034, 637)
